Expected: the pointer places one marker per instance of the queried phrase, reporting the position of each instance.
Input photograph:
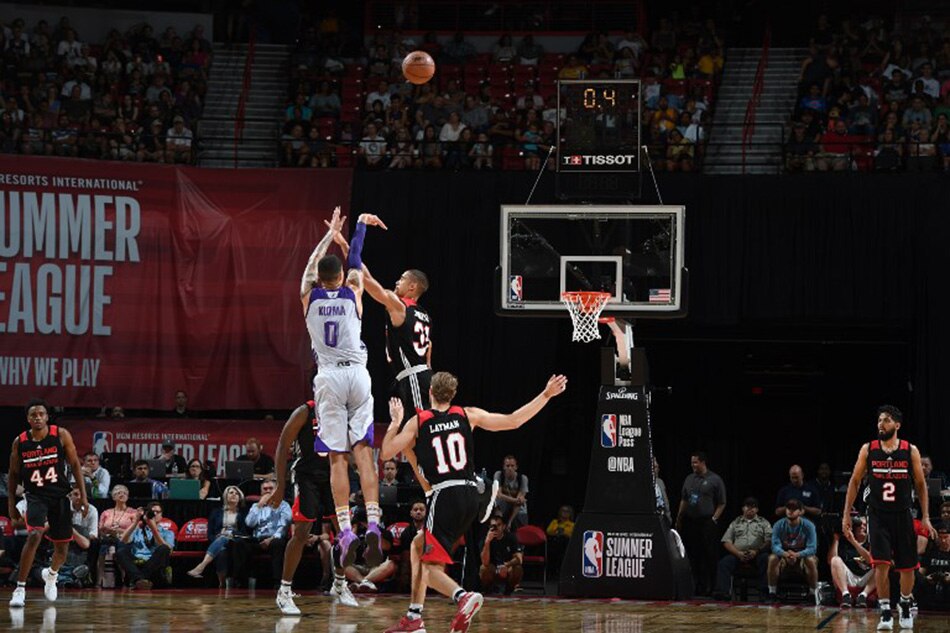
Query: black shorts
(893, 540)
(58, 513)
(312, 498)
(450, 512)
(414, 392)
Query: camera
(150, 514)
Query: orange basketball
(418, 67)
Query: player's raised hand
(395, 410)
(372, 220)
(556, 386)
(336, 220)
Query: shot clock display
(599, 126)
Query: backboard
(636, 253)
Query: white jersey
(335, 327)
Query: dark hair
(139, 462)
(36, 402)
(893, 412)
(793, 504)
(329, 268)
(420, 278)
(700, 455)
(88, 453)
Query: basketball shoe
(406, 625)
(374, 552)
(49, 586)
(904, 617)
(19, 597)
(285, 602)
(348, 543)
(886, 622)
(469, 604)
(342, 594)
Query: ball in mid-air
(418, 67)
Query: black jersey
(889, 476)
(43, 465)
(848, 554)
(444, 446)
(407, 346)
(306, 459)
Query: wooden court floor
(242, 611)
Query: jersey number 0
(454, 448)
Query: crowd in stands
(133, 97)
(873, 98)
(487, 109)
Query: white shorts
(344, 398)
(859, 582)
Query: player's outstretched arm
(857, 474)
(394, 306)
(395, 440)
(309, 277)
(72, 458)
(287, 435)
(504, 422)
(13, 480)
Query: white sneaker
(904, 617)
(19, 597)
(286, 625)
(343, 595)
(49, 588)
(16, 618)
(49, 620)
(887, 621)
(285, 602)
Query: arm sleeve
(354, 260)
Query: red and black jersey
(890, 477)
(43, 465)
(306, 459)
(444, 447)
(407, 346)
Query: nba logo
(608, 430)
(593, 554)
(514, 288)
(102, 442)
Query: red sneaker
(469, 605)
(408, 626)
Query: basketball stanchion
(585, 308)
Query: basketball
(418, 67)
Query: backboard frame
(676, 308)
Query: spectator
(529, 52)
(813, 101)
(941, 138)
(380, 94)
(824, 486)
(625, 65)
(504, 51)
(84, 547)
(529, 99)
(430, 149)
(365, 578)
(926, 463)
(917, 112)
(800, 150)
(69, 49)
(835, 149)
(449, 136)
(225, 523)
(702, 502)
(889, 152)
(299, 110)
(481, 152)
(114, 521)
(920, 151)
(662, 499)
(269, 531)
(862, 118)
(325, 102)
(935, 568)
(663, 38)
(679, 152)
(151, 149)
(512, 501)
(798, 489)
(896, 88)
(254, 452)
(390, 468)
(559, 534)
(573, 69)
(403, 152)
(178, 142)
(181, 400)
(150, 543)
(475, 116)
(457, 50)
(174, 463)
(318, 148)
(747, 541)
(794, 548)
(197, 471)
(930, 84)
(97, 478)
(851, 569)
(633, 41)
(501, 557)
(417, 519)
(372, 148)
(140, 473)
(296, 150)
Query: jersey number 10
(453, 446)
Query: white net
(585, 308)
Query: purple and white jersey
(335, 328)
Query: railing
(242, 100)
(757, 84)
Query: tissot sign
(597, 162)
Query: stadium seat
(6, 526)
(192, 539)
(533, 538)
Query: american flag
(660, 295)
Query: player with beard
(893, 468)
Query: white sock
(415, 611)
(285, 586)
(773, 588)
(885, 604)
(343, 517)
(339, 581)
(373, 513)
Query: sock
(21, 584)
(773, 589)
(339, 580)
(285, 586)
(343, 517)
(457, 595)
(53, 572)
(415, 611)
(884, 604)
(373, 513)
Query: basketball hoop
(585, 308)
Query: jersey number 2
(454, 448)
(40, 480)
(887, 491)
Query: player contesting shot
(444, 446)
(893, 467)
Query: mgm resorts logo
(582, 160)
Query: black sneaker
(862, 601)
(846, 602)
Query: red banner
(215, 440)
(122, 283)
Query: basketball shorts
(344, 400)
(414, 392)
(312, 498)
(856, 581)
(892, 537)
(451, 511)
(58, 513)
